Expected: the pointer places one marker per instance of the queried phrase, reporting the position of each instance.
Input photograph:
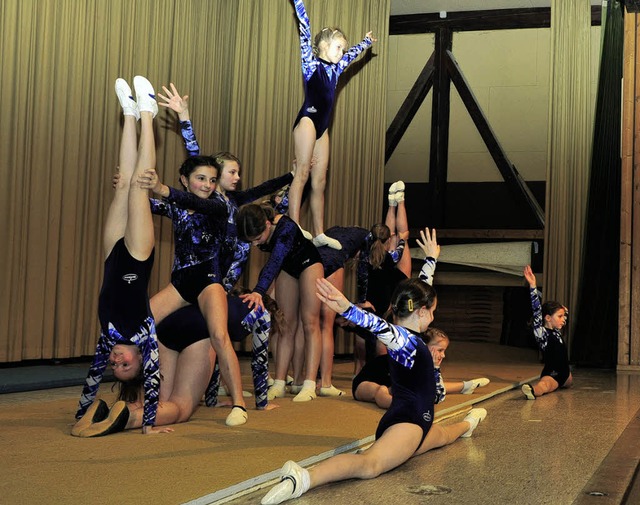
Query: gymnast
(373, 383)
(127, 340)
(322, 64)
(548, 321)
(294, 264)
(407, 428)
(206, 248)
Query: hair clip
(410, 305)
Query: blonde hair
(433, 335)
(326, 35)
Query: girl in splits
(548, 321)
(294, 264)
(322, 64)
(407, 428)
(128, 336)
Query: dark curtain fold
(596, 332)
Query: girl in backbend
(322, 63)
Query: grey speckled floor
(525, 452)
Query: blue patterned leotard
(210, 232)
(320, 77)
(411, 370)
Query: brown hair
(381, 234)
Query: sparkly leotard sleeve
(189, 137)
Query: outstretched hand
(370, 36)
(429, 243)
(173, 100)
(331, 296)
(530, 276)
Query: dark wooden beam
(502, 19)
(439, 157)
(516, 184)
(409, 107)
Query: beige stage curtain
(570, 133)
(239, 62)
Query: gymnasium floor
(550, 451)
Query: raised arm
(429, 244)
(180, 104)
(539, 331)
(309, 62)
(400, 342)
(353, 52)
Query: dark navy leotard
(290, 252)
(187, 326)
(125, 318)
(411, 370)
(320, 77)
(352, 239)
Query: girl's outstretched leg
(118, 210)
(139, 234)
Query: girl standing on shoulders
(322, 64)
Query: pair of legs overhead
(397, 444)
(129, 214)
(396, 220)
(301, 307)
(308, 148)
(127, 342)
(213, 305)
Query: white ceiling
(429, 6)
